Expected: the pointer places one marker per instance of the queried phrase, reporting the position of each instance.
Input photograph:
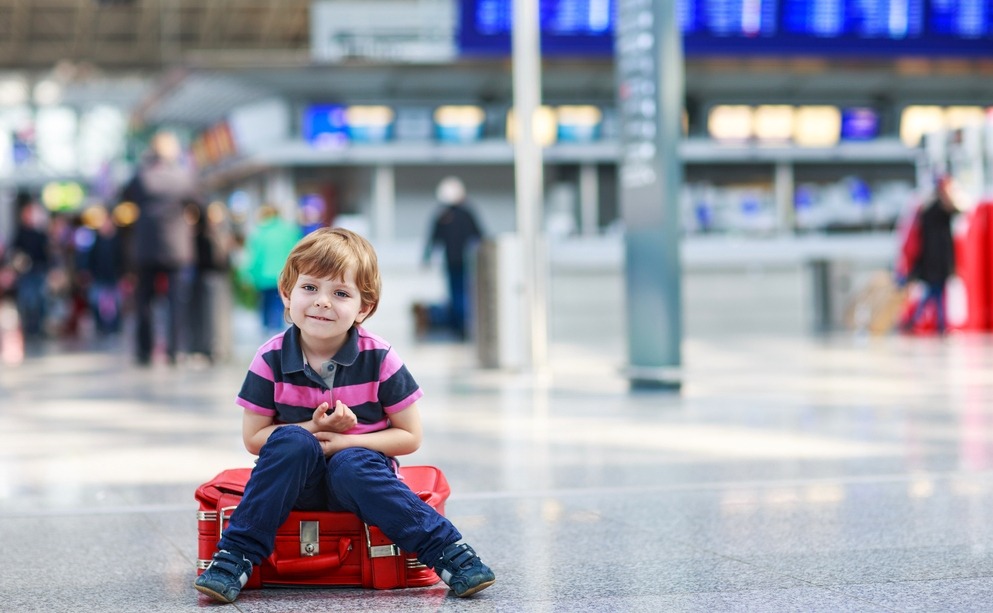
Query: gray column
(383, 202)
(589, 200)
(783, 192)
(650, 100)
(529, 180)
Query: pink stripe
(254, 408)
(354, 395)
(367, 428)
(260, 367)
(391, 364)
(406, 402)
(368, 340)
(300, 395)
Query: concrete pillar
(650, 101)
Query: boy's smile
(325, 310)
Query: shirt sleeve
(397, 388)
(258, 391)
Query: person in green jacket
(265, 253)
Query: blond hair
(328, 253)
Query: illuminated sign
(750, 27)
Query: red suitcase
(321, 548)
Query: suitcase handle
(313, 565)
(435, 499)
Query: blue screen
(752, 27)
(568, 27)
(859, 123)
(324, 125)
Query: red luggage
(321, 548)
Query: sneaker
(223, 579)
(463, 571)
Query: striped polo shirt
(368, 377)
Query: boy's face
(325, 309)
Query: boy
(341, 459)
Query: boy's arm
(256, 428)
(403, 437)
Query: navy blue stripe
(258, 390)
(364, 370)
(400, 385)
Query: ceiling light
(47, 93)
(13, 92)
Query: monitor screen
(568, 27)
(752, 27)
(324, 125)
(859, 123)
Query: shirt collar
(293, 360)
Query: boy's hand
(342, 419)
(329, 442)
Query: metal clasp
(310, 538)
(379, 551)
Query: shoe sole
(481, 586)
(215, 595)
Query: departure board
(888, 19)
(727, 18)
(753, 27)
(568, 27)
(961, 18)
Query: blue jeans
(292, 473)
(458, 300)
(935, 293)
(32, 302)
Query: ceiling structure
(191, 61)
(148, 34)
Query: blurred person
(11, 339)
(210, 305)
(266, 248)
(101, 267)
(31, 259)
(312, 456)
(66, 285)
(935, 262)
(7, 275)
(163, 245)
(456, 230)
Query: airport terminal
(677, 372)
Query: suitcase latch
(380, 551)
(310, 533)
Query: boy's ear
(285, 298)
(363, 312)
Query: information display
(862, 19)
(736, 19)
(324, 125)
(568, 27)
(752, 27)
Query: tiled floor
(790, 474)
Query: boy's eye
(309, 287)
(341, 294)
